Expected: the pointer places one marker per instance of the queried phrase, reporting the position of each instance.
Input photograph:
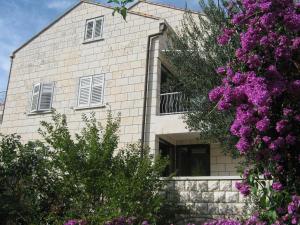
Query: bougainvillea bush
(262, 84)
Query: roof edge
(47, 27)
(131, 12)
(69, 10)
(164, 5)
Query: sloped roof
(162, 5)
(71, 9)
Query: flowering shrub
(262, 85)
(76, 222)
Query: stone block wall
(205, 198)
(1, 112)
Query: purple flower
(263, 125)
(238, 78)
(292, 21)
(224, 38)
(237, 18)
(282, 126)
(221, 70)
(254, 61)
(216, 94)
(287, 111)
(290, 139)
(265, 6)
(277, 144)
(267, 20)
(243, 188)
(277, 186)
(296, 43)
(243, 145)
(266, 139)
(267, 175)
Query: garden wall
(206, 197)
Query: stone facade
(1, 112)
(59, 54)
(206, 198)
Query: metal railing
(171, 103)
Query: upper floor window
(91, 91)
(94, 29)
(42, 96)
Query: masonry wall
(206, 198)
(173, 16)
(1, 113)
(59, 55)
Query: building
(88, 60)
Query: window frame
(93, 38)
(172, 154)
(90, 105)
(38, 109)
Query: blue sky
(21, 19)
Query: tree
(81, 177)
(195, 55)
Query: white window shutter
(84, 91)
(35, 97)
(46, 96)
(98, 28)
(89, 29)
(97, 90)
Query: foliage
(121, 7)
(77, 177)
(194, 55)
(262, 85)
(25, 181)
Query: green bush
(82, 176)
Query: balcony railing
(171, 103)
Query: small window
(91, 91)
(186, 160)
(42, 96)
(94, 29)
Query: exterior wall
(59, 55)
(173, 16)
(205, 198)
(1, 112)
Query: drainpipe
(11, 63)
(162, 28)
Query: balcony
(172, 103)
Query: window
(42, 95)
(94, 29)
(186, 160)
(91, 91)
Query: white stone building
(88, 60)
